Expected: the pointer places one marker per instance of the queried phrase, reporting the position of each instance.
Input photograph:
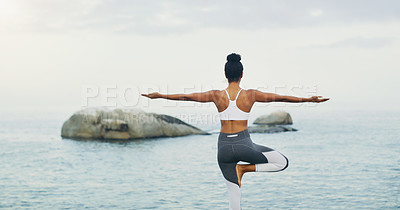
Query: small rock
(275, 118)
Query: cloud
(357, 42)
(316, 13)
(176, 16)
(361, 42)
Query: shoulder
(217, 92)
(214, 92)
(251, 91)
(257, 95)
(256, 92)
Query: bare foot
(243, 168)
(239, 173)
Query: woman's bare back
(244, 102)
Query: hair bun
(233, 57)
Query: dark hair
(233, 67)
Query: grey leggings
(235, 147)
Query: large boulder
(275, 118)
(272, 123)
(123, 124)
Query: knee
(280, 161)
(284, 164)
(276, 160)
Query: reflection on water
(339, 162)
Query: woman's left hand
(152, 95)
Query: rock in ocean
(275, 118)
(270, 128)
(272, 123)
(124, 124)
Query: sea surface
(338, 160)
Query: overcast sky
(54, 52)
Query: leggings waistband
(233, 136)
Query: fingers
(151, 95)
(323, 100)
(318, 99)
(147, 95)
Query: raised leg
(275, 162)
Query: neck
(234, 85)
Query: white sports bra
(233, 112)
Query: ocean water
(338, 160)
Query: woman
(234, 143)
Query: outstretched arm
(271, 97)
(198, 97)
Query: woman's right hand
(152, 95)
(317, 99)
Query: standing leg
(234, 195)
(227, 163)
(231, 180)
